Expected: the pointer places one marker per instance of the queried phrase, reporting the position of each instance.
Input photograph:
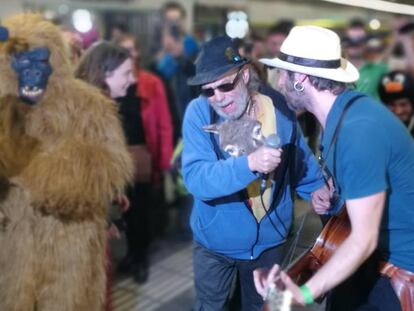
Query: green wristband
(306, 293)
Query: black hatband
(309, 62)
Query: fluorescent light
(378, 5)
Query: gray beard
(230, 117)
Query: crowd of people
(341, 93)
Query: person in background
(236, 226)
(370, 156)
(108, 67)
(158, 130)
(175, 68)
(274, 39)
(356, 49)
(254, 47)
(155, 112)
(117, 31)
(396, 91)
(175, 54)
(111, 69)
(276, 35)
(173, 13)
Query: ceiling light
(378, 5)
(374, 24)
(82, 20)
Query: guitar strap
(327, 174)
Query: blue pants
(214, 275)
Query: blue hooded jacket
(221, 220)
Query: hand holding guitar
(321, 198)
(333, 234)
(265, 281)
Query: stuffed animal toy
(63, 159)
(238, 137)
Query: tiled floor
(169, 279)
(170, 285)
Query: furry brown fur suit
(62, 161)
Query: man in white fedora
(370, 156)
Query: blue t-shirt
(374, 152)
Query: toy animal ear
(211, 128)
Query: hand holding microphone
(265, 159)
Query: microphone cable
(270, 219)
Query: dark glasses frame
(226, 87)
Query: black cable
(270, 219)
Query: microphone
(4, 34)
(272, 141)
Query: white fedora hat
(315, 51)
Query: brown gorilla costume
(61, 163)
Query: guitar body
(332, 235)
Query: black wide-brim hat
(217, 57)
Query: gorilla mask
(33, 70)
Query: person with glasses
(370, 155)
(236, 226)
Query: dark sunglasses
(226, 87)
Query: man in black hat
(239, 225)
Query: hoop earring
(298, 86)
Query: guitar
(331, 237)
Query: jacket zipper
(245, 201)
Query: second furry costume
(62, 160)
